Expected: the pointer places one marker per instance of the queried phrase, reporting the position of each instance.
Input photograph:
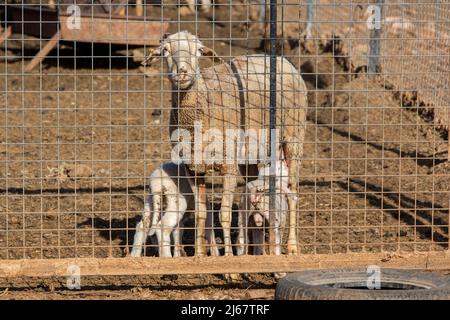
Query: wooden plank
(43, 53)
(220, 265)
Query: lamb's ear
(254, 185)
(154, 56)
(210, 53)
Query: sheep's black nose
(183, 70)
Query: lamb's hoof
(232, 277)
(228, 252)
(180, 253)
(214, 252)
(279, 275)
(135, 253)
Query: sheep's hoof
(200, 251)
(292, 248)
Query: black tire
(351, 284)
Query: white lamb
(171, 197)
(254, 209)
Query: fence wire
(82, 131)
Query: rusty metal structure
(101, 23)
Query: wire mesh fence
(89, 135)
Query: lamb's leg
(258, 239)
(163, 231)
(141, 230)
(176, 242)
(278, 275)
(242, 238)
(209, 233)
(229, 187)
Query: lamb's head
(258, 191)
(181, 51)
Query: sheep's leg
(200, 217)
(229, 187)
(292, 245)
(277, 234)
(206, 5)
(292, 237)
(191, 4)
(141, 230)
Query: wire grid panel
(81, 134)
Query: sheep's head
(181, 51)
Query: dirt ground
(80, 136)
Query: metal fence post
(374, 56)
(273, 119)
(262, 16)
(309, 18)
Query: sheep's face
(181, 51)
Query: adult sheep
(233, 96)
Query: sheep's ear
(210, 53)
(154, 56)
